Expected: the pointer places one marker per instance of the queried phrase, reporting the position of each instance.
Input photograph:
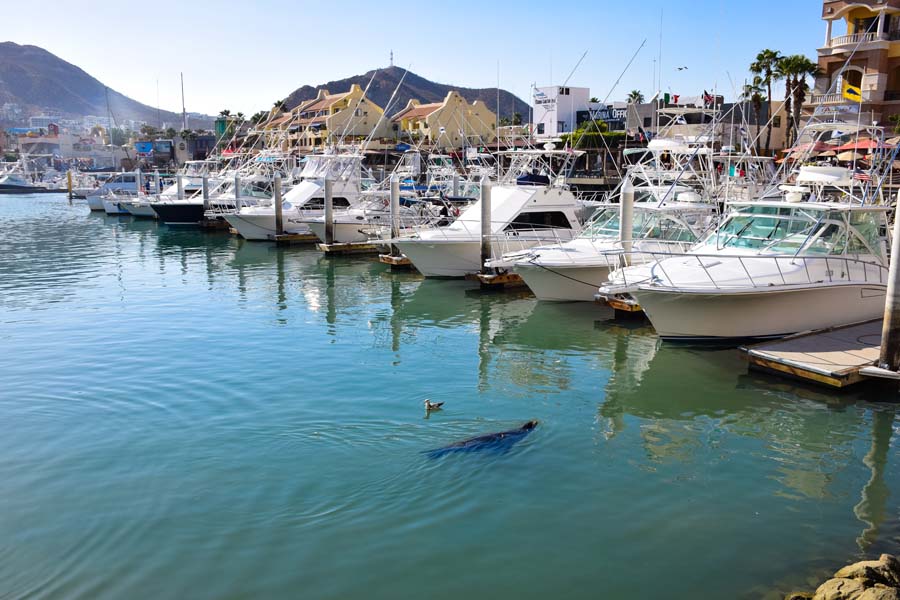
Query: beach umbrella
(862, 145)
(849, 156)
(813, 146)
(893, 141)
(828, 153)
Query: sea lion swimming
(500, 442)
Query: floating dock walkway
(836, 357)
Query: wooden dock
(292, 239)
(352, 248)
(497, 281)
(396, 262)
(837, 357)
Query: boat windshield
(647, 224)
(792, 229)
(333, 167)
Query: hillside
(414, 86)
(38, 80)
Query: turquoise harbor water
(184, 414)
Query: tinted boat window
(540, 219)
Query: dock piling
(205, 193)
(485, 222)
(157, 185)
(279, 208)
(455, 189)
(626, 218)
(179, 186)
(69, 184)
(889, 357)
(395, 212)
(329, 213)
(237, 192)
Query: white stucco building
(562, 109)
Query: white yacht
(116, 183)
(809, 253)
(772, 268)
(305, 200)
(370, 219)
(574, 270)
(530, 205)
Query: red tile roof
(325, 102)
(417, 112)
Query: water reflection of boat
(809, 441)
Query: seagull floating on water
(430, 406)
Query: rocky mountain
(414, 86)
(38, 80)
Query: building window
(647, 121)
(776, 121)
(560, 126)
(540, 129)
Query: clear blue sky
(245, 55)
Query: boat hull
(442, 259)
(261, 227)
(142, 210)
(179, 213)
(679, 315)
(344, 233)
(563, 283)
(95, 202)
(112, 207)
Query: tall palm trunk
(757, 106)
(769, 124)
(788, 114)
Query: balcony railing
(835, 98)
(857, 38)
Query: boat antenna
(158, 117)
(183, 111)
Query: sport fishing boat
(811, 252)
(370, 219)
(116, 183)
(256, 178)
(772, 268)
(305, 200)
(573, 271)
(530, 206)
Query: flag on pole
(851, 92)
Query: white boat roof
(811, 205)
(506, 203)
(840, 126)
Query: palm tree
(765, 68)
(635, 97)
(795, 69)
(279, 104)
(753, 93)
(257, 117)
(225, 113)
(802, 68)
(240, 116)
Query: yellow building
(446, 124)
(336, 118)
(869, 30)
